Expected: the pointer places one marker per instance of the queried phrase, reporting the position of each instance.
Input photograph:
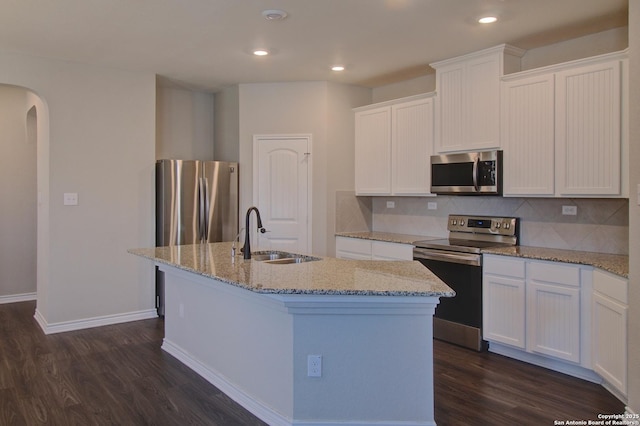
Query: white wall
(227, 125)
(316, 108)
(415, 86)
(339, 170)
(634, 209)
(581, 47)
(18, 194)
(184, 124)
(98, 139)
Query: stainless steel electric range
(457, 261)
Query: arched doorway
(20, 143)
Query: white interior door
(282, 191)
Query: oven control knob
(498, 225)
(507, 225)
(461, 222)
(454, 222)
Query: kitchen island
(328, 341)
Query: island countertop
(326, 276)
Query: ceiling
(207, 44)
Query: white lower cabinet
(534, 306)
(553, 310)
(504, 301)
(570, 318)
(609, 327)
(361, 249)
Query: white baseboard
(61, 327)
(258, 409)
(542, 361)
(13, 298)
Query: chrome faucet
(247, 245)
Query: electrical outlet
(70, 199)
(391, 204)
(432, 205)
(570, 210)
(314, 365)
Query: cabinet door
(382, 250)
(450, 112)
(483, 102)
(503, 310)
(373, 151)
(553, 320)
(353, 248)
(412, 142)
(527, 136)
(609, 310)
(588, 130)
(609, 340)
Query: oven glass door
(466, 280)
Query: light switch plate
(70, 198)
(570, 210)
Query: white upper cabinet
(561, 129)
(588, 122)
(528, 136)
(393, 144)
(373, 151)
(468, 101)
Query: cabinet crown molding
(605, 57)
(501, 48)
(395, 101)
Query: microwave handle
(475, 173)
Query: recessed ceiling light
(337, 68)
(261, 52)
(487, 19)
(274, 14)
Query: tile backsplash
(601, 225)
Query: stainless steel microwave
(478, 173)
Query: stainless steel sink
(281, 257)
(261, 256)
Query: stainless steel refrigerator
(196, 202)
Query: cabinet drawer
(554, 273)
(392, 251)
(353, 245)
(610, 285)
(502, 265)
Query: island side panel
(238, 340)
(377, 361)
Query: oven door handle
(447, 256)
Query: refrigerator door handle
(201, 210)
(205, 221)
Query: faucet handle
(262, 230)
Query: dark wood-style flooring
(118, 375)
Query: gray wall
(227, 125)
(318, 108)
(96, 137)
(184, 124)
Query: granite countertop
(324, 276)
(614, 263)
(386, 236)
